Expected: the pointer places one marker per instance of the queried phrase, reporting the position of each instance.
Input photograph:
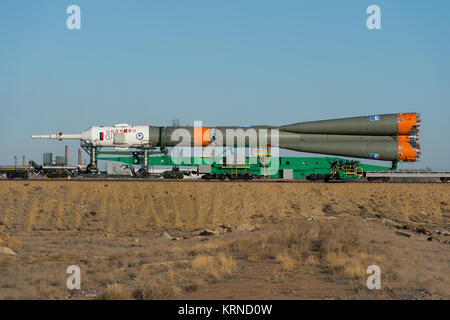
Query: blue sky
(222, 62)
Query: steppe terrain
(224, 240)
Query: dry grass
(115, 292)
(154, 290)
(344, 249)
(75, 224)
(218, 267)
(59, 206)
(287, 263)
(312, 260)
(116, 268)
(8, 241)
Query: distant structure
(47, 159)
(67, 155)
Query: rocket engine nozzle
(408, 149)
(409, 123)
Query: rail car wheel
(444, 180)
(180, 177)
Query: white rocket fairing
(120, 135)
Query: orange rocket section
(201, 136)
(408, 128)
(408, 150)
(408, 123)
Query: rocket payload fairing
(392, 137)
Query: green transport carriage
(310, 168)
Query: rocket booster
(382, 137)
(385, 124)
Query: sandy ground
(262, 240)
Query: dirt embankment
(147, 240)
(140, 206)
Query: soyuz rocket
(392, 137)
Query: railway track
(146, 180)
